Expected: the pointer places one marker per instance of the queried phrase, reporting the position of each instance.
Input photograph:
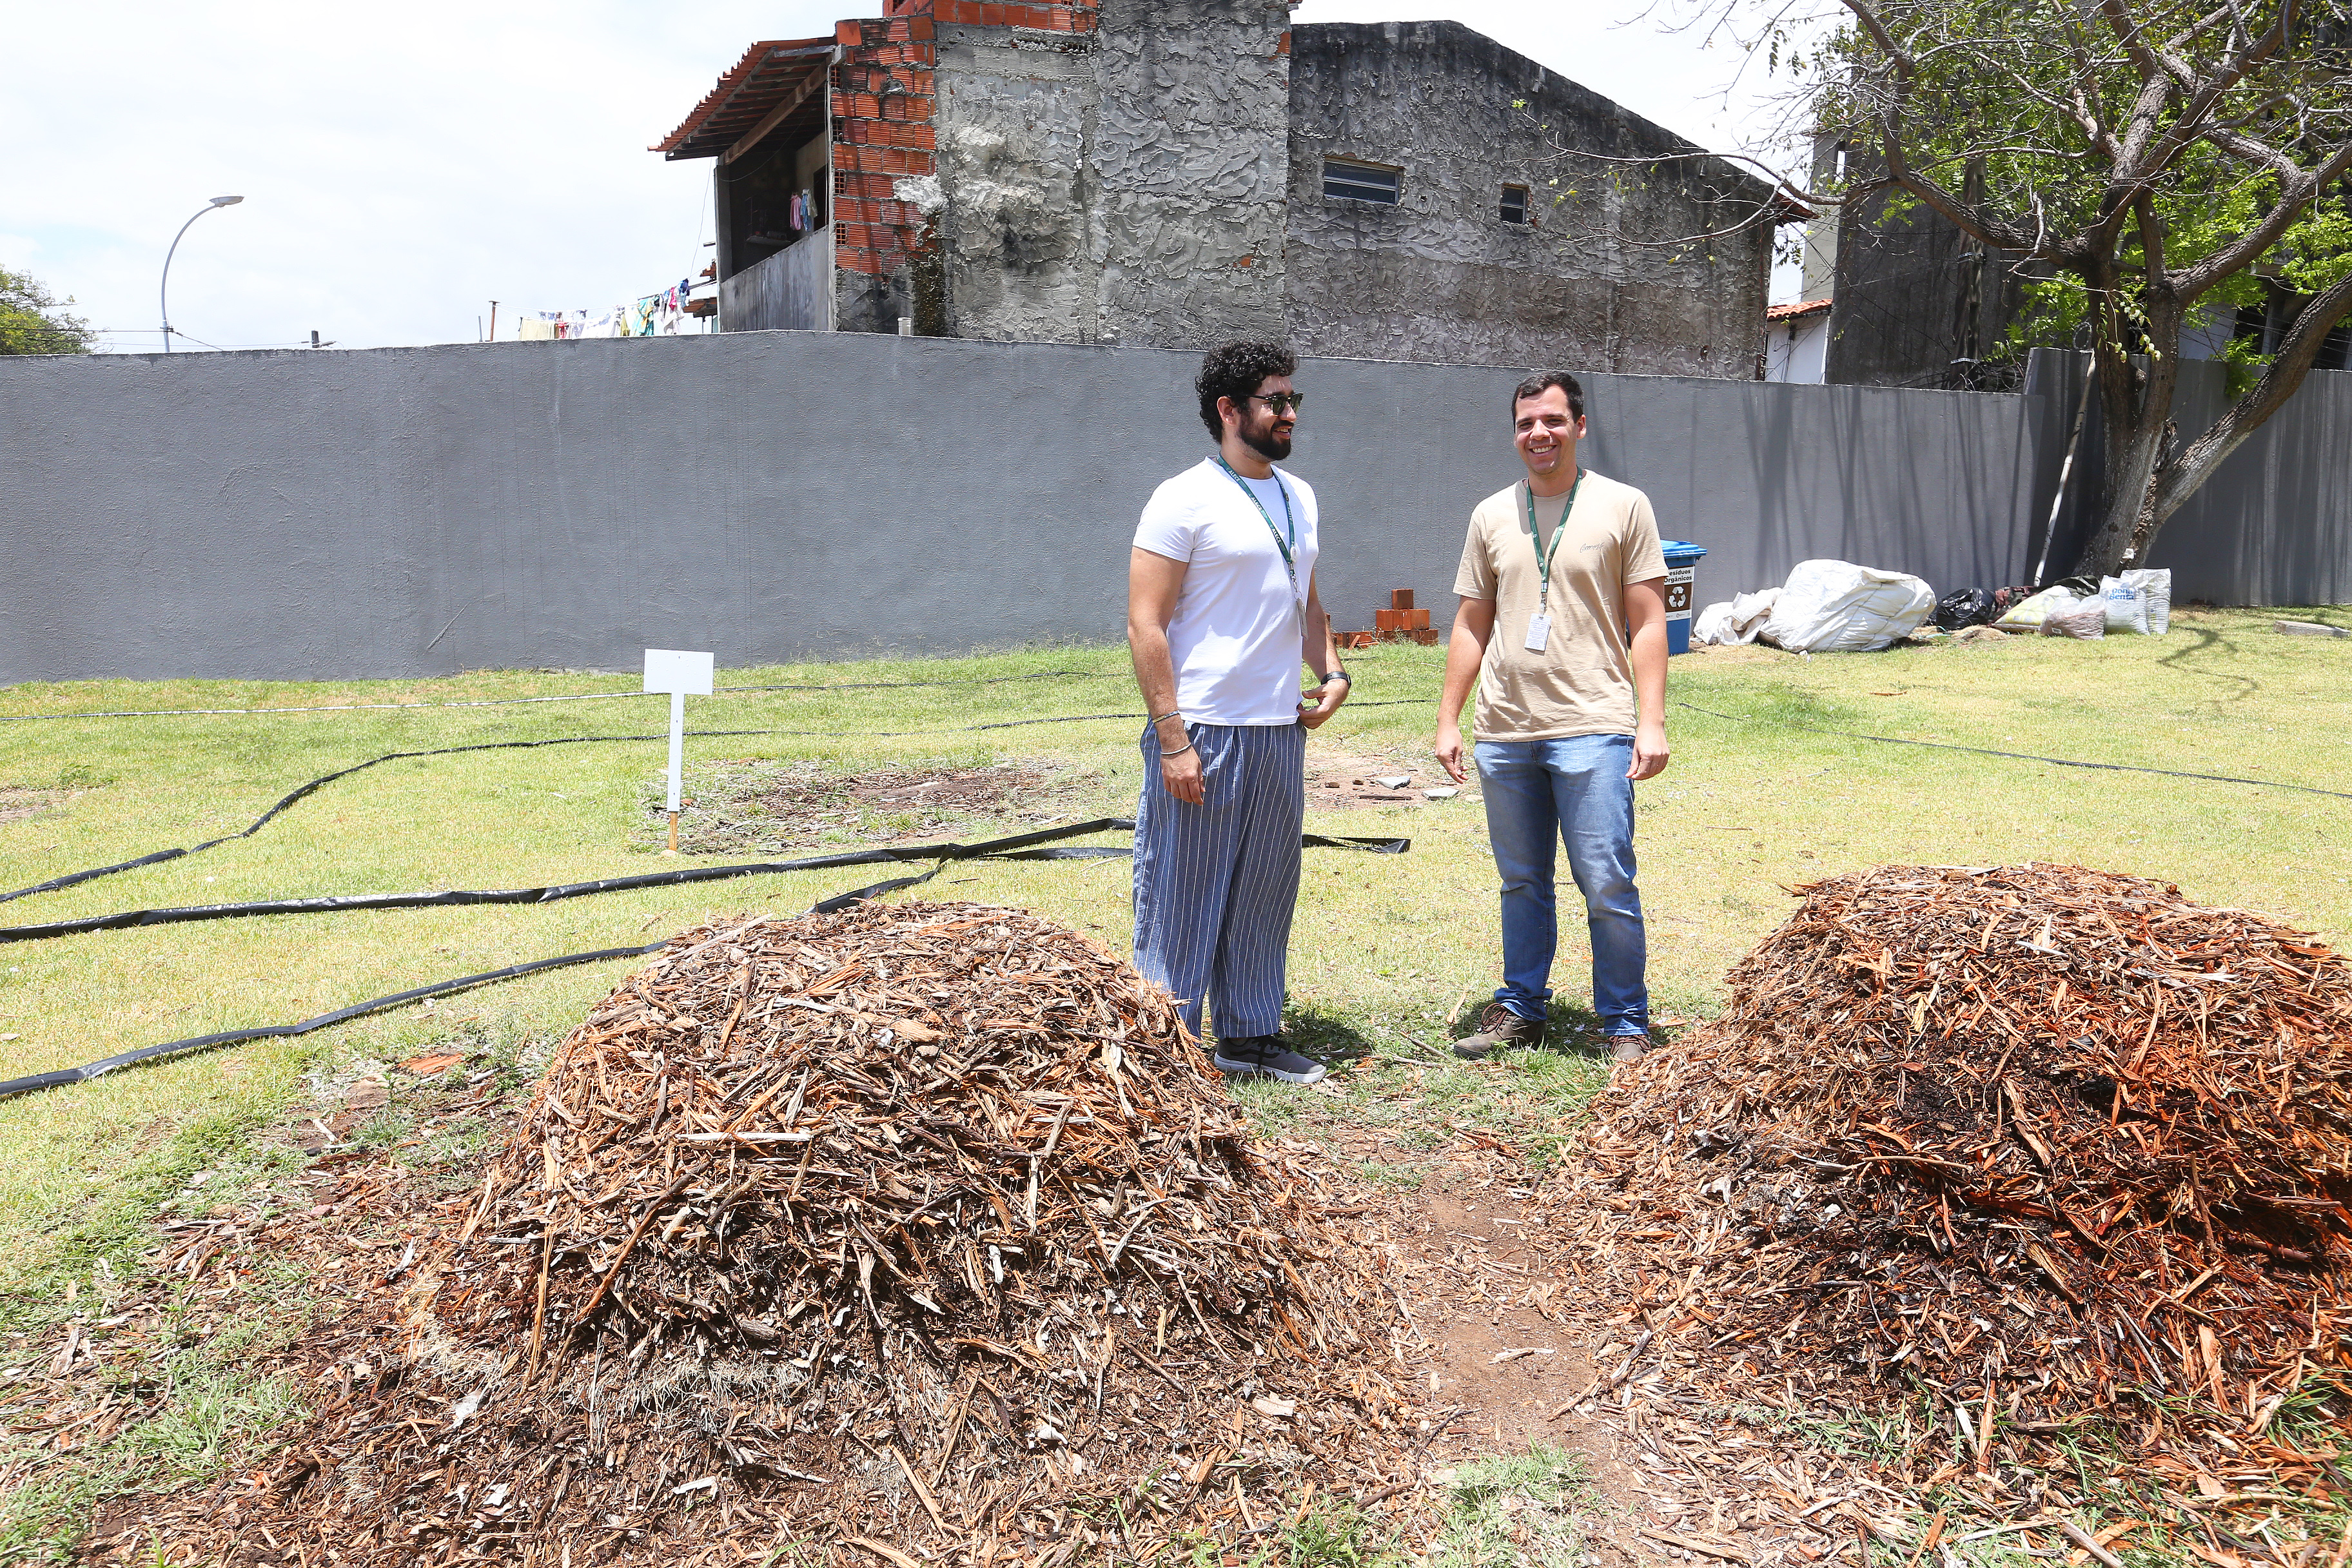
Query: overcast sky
(402, 169)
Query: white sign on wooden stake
(677, 673)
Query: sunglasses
(1280, 401)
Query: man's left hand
(1319, 704)
(1650, 752)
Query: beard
(1265, 442)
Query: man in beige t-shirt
(1563, 629)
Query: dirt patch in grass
(1343, 780)
(768, 806)
(21, 804)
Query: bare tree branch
(2285, 374)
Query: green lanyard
(1534, 538)
(1298, 599)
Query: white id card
(1539, 628)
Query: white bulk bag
(1734, 621)
(2084, 618)
(2155, 583)
(2026, 614)
(2126, 604)
(1835, 606)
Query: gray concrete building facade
(1175, 172)
(1534, 222)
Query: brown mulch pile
(2049, 1144)
(920, 1230)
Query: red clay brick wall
(881, 130)
(1054, 17)
(883, 96)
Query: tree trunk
(2136, 414)
(2156, 480)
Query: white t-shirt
(1236, 635)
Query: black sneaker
(1265, 1055)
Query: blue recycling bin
(1682, 562)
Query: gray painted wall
(795, 495)
(789, 291)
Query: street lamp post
(163, 293)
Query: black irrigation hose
(84, 1073)
(564, 696)
(2019, 756)
(75, 878)
(72, 878)
(1016, 847)
(1036, 845)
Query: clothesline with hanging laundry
(652, 316)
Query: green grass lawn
(1390, 952)
(1388, 949)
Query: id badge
(1539, 629)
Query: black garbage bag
(1964, 607)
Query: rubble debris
(924, 1224)
(2047, 1143)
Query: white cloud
(402, 168)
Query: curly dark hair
(1536, 385)
(1235, 371)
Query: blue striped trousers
(1216, 884)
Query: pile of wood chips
(2051, 1145)
(921, 1229)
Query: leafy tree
(2148, 163)
(34, 322)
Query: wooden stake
(673, 833)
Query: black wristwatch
(1339, 674)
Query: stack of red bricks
(1395, 623)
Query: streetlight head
(227, 201)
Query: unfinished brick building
(1176, 172)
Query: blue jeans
(1574, 789)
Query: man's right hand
(1182, 775)
(1449, 749)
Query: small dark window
(1515, 204)
(1361, 182)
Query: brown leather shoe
(1499, 1028)
(1627, 1047)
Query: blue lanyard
(1288, 522)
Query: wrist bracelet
(1171, 714)
(1176, 752)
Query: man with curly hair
(1221, 612)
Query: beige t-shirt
(1583, 682)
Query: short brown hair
(1543, 380)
